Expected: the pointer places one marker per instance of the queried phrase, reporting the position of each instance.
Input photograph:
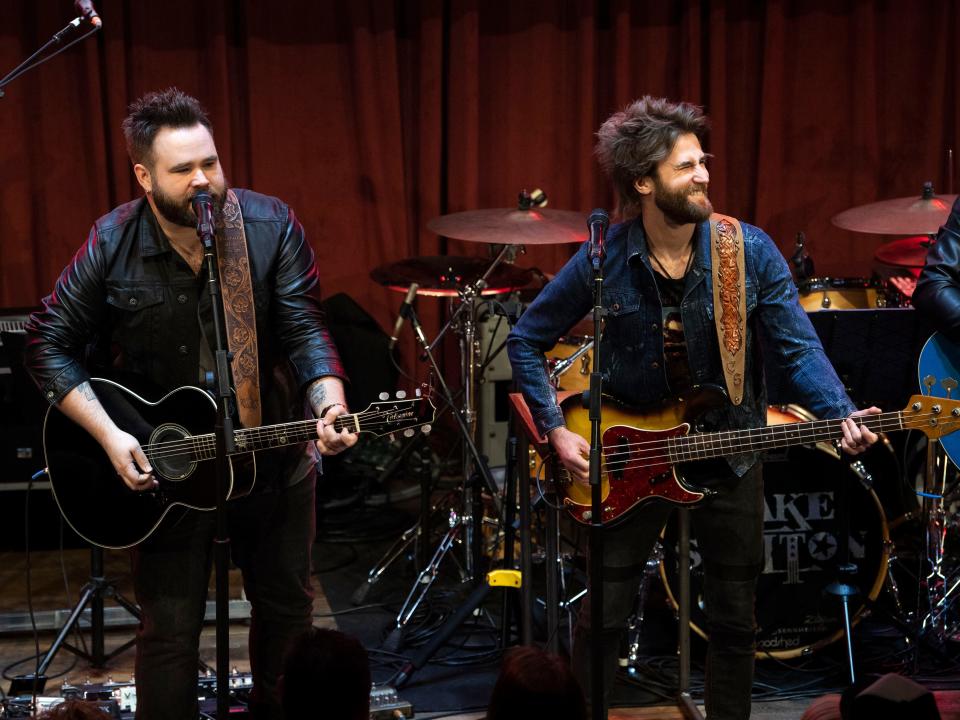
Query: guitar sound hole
(172, 452)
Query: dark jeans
(271, 535)
(729, 530)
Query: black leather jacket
(127, 302)
(938, 291)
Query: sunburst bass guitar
(645, 451)
(176, 433)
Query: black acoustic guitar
(176, 434)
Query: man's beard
(181, 213)
(678, 208)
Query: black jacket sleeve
(938, 290)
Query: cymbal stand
(935, 528)
(456, 522)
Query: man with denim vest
(134, 299)
(660, 342)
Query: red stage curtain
(370, 118)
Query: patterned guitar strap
(238, 306)
(729, 299)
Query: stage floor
(435, 691)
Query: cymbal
(907, 252)
(442, 276)
(901, 216)
(509, 226)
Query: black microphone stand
(592, 400)
(224, 432)
(35, 59)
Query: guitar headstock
(934, 416)
(399, 415)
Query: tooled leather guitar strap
(729, 299)
(240, 320)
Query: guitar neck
(275, 436)
(702, 446)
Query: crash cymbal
(902, 216)
(443, 276)
(907, 252)
(509, 226)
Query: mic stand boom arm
(35, 59)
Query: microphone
(405, 308)
(598, 223)
(203, 207)
(87, 12)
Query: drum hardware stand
(93, 594)
(414, 535)
(561, 366)
(801, 260)
(846, 569)
(464, 320)
(466, 422)
(635, 623)
(939, 598)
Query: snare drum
(841, 294)
(794, 617)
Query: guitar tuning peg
(418, 392)
(384, 396)
(408, 433)
(401, 394)
(391, 437)
(426, 429)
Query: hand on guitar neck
(858, 437)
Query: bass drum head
(794, 615)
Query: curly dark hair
(171, 108)
(631, 142)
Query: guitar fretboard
(701, 446)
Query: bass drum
(794, 616)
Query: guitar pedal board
(119, 699)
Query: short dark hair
(534, 683)
(330, 668)
(631, 142)
(154, 111)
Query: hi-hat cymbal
(907, 252)
(901, 216)
(443, 276)
(509, 226)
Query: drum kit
(799, 530)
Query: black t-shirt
(674, 341)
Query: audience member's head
(74, 710)
(892, 696)
(536, 684)
(328, 671)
